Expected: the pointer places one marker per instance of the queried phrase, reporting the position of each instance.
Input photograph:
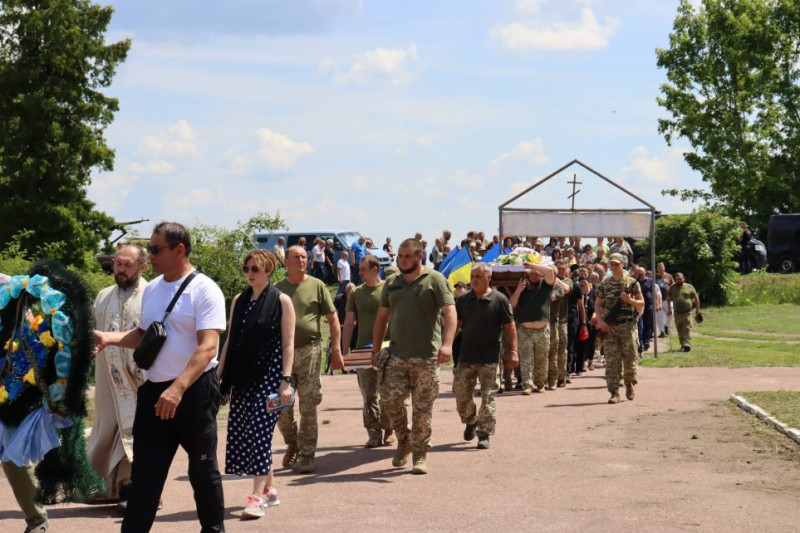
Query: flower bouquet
(508, 269)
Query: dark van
(783, 242)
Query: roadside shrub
(702, 246)
(218, 252)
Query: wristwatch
(287, 379)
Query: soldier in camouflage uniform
(362, 307)
(531, 304)
(621, 336)
(557, 368)
(483, 314)
(418, 307)
(311, 301)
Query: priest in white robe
(117, 378)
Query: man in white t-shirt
(178, 404)
(343, 270)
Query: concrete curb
(792, 433)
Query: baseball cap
(616, 258)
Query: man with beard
(417, 304)
(117, 308)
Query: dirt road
(678, 458)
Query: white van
(342, 240)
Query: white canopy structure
(636, 222)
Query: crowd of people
(547, 328)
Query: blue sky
(386, 117)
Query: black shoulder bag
(156, 334)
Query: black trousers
(647, 325)
(572, 338)
(155, 442)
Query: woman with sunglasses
(256, 361)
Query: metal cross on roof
(574, 182)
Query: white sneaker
(255, 507)
(270, 498)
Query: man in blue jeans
(357, 253)
(178, 404)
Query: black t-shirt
(572, 300)
(482, 321)
(647, 292)
(565, 302)
(534, 303)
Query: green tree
(732, 92)
(218, 252)
(700, 245)
(53, 62)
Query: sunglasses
(156, 249)
(253, 269)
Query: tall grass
(763, 288)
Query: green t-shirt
(364, 302)
(414, 313)
(311, 301)
(682, 297)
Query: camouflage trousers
(533, 346)
(375, 418)
(465, 376)
(620, 347)
(557, 357)
(420, 377)
(305, 376)
(683, 323)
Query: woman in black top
(256, 361)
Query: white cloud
(426, 141)
(380, 65)
(528, 152)
(110, 190)
(159, 167)
(429, 187)
(584, 35)
(467, 202)
(517, 187)
(650, 169)
(468, 181)
(532, 7)
(359, 183)
(178, 141)
(279, 151)
(325, 66)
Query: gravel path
(678, 458)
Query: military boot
(614, 397)
(420, 466)
(403, 449)
(375, 438)
(306, 465)
(389, 438)
(629, 394)
(290, 457)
